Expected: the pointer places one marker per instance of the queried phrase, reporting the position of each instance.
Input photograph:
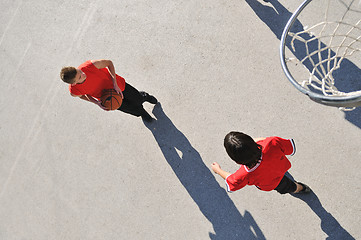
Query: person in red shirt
(93, 76)
(263, 164)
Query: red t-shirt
(96, 81)
(267, 174)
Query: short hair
(67, 74)
(242, 149)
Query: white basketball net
(335, 41)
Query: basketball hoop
(329, 52)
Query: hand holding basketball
(111, 100)
(117, 89)
(101, 106)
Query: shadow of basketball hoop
(201, 185)
(276, 17)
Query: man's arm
(90, 99)
(258, 139)
(103, 63)
(217, 169)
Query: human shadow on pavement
(329, 224)
(276, 16)
(211, 199)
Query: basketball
(110, 99)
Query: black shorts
(286, 186)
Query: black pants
(133, 101)
(286, 186)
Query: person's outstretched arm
(217, 169)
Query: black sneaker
(146, 117)
(306, 189)
(149, 98)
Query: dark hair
(67, 74)
(242, 149)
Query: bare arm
(90, 99)
(217, 169)
(103, 63)
(258, 139)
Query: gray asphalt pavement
(70, 170)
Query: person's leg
(133, 95)
(286, 186)
(289, 186)
(128, 107)
(302, 188)
(148, 98)
(138, 97)
(133, 102)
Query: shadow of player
(329, 224)
(276, 16)
(200, 183)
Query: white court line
(50, 96)
(21, 61)
(85, 24)
(29, 134)
(10, 22)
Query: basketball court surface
(70, 170)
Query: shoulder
(274, 140)
(86, 65)
(287, 146)
(269, 144)
(280, 141)
(102, 63)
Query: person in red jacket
(263, 164)
(93, 76)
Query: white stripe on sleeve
(228, 188)
(293, 146)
